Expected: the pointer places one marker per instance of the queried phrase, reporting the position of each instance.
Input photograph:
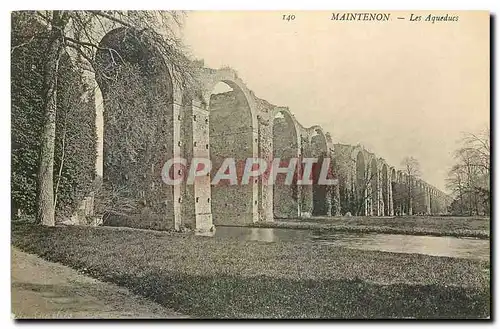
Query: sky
(399, 87)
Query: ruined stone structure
(238, 124)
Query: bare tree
(363, 188)
(469, 178)
(456, 183)
(411, 167)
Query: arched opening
(419, 196)
(385, 190)
(342, 164)
(321, 197)
(393, 182)
(374, 186)
(409, 190)
(137, 94)
(361, 185)
(231, 137)
(285, 147)
(400, 193)
(432, 201)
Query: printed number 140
(288, 17)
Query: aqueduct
(225, 119)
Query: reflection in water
(428, 245)
(262, 234)
(258, 235)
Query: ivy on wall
(75, 153)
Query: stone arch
(320, 149)
(386, 181)
(324, 137)
(139, 95)
(405, 185)
(233, 133)
(374, 187)
(229, 77)
(419, 206)
(360, 182)
(344, 170)
(428, 199)
(416, 196)
(397, 191)
(286, 145)
(291, 121)
(394, 190)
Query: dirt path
(42, 289)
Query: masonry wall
(196, 200)
(231, 137)
(384, 182)
(306, 191)
(132, 179)
(374, 189)
(420, 203)
(321, 196)
(265, 152)
(224, 129)
(343, 170)
(361, 187)
(285, 147)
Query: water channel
(470, 248)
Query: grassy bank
(434, 226)
(46, 290)
(212, 277)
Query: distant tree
(469, 177)
(342, 164)
(411, 167)
(364, 193)
(353, 190)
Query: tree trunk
(45, 187)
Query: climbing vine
(74, 167)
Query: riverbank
(229, 278)
(415, 225)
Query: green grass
(475, 227)
(228, 278)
